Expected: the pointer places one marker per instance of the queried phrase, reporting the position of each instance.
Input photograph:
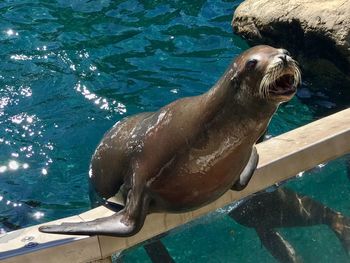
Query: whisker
(274, 72)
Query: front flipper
(278, 246)
(247, 172)
(126, 222)
(109, 226)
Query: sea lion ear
(234, 76)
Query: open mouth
(283, 85)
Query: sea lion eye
(251, 64)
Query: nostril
(285, 52)
(283, 58)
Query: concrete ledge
(280, 158)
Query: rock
(317, 32)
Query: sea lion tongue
(284, 85)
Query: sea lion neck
(229, 100)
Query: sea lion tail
(113, 225)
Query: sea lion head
(268, 73)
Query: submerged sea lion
(190, 152)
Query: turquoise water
(71, 69)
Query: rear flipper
(247, 172)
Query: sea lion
(191, 151)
